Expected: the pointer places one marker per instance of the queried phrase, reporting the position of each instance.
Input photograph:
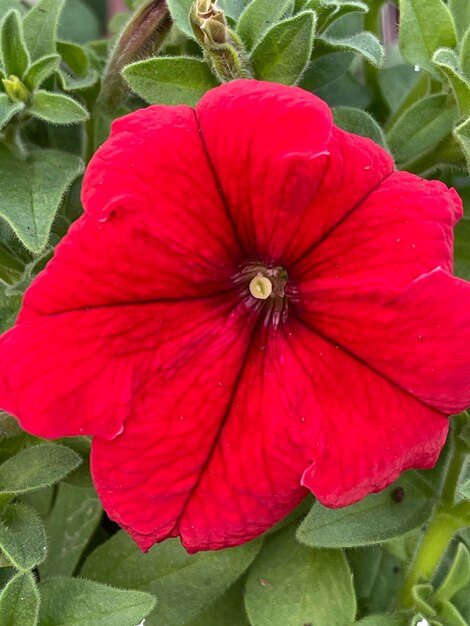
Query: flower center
(263, 289)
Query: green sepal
(41, 181)
(421, 127)
(170, 80)
(425, 26)
(41, 69)
(291, 585)
(40, 27)
(67, 601)
(22, 536)
(447, 61)
(8, 109)
(258, 17)
(184, 584)
(377, 518)
(36, 467)
(15, 55)
(19, 601)
(360, 123)
(57, 108)
(458, 575)
(284, 52)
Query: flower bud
(15, 89)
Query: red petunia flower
(254, 304)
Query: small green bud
(15, 89)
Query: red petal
(183, 389)
(400, 231)
(287, 176)
(155, 225)
(417, 338)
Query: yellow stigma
(261, 287)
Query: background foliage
(394, 558)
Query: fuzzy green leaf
(291, 585)
(447, 61)
(184, 584)
(365, 43)
(421, 127)
(462, 134)
(8, 109)
(460, 10)
(77, 73)
(360, 123)
(40, 27)
(465, 53)
(57, 108)
(323, 70)
(180, 10)
(36, 467)
(425, 26)
(228, 610)
(74, 518)
(385, 620)
(76, 601)
(22, 536)
(458, 575)
(19, 602)
(258, 17)
(40, 70)
(284, 52)
(15, 56)
(170, 80)
(35, 188)
(462, 269)
(376, 518)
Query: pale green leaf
(385, 620)
(8, 109)
(258, 17)
(460, 10)
(425, 26)
(462, 134)
(36, 467)
(40, 27)
(323, 70)
(70, 525)
(447, 61)
(291, 585)
(180, 10)
(184, 584)
(421, 127)
(22, 536)
(15, 56)
(365, 43)
(284, 52)
(35, 187)
(170, 80)
(458, 575)
(57, 108)
(40, 70)
(465, 53)
(19, 602)
(378, 517)
(80, 602)
(360, 123)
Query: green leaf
(291, 585)
(323, 70)
(359, 122)
(180, 10)
(258, 17)
(447, 61)
(462, 134)
(22, 536)
(40, 182)
(70, 525)
(283, 53)
(184, 584)
(365, 43)
(233, 8)
(76, 73)
(57, 108)
(421, 127)
(465, 53)
(36, 467)
(40, 70)
(464, 488)
(396, 82)
(40, 27)
(79, 22)
(228, 610)
(170, 80)
(345, 91)
(377, 518)
(385, 619)
(76, 601)
(425, 26)
(19, 602)
(8, 109)
(457, 577)
(460, 10)
(15, 56)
